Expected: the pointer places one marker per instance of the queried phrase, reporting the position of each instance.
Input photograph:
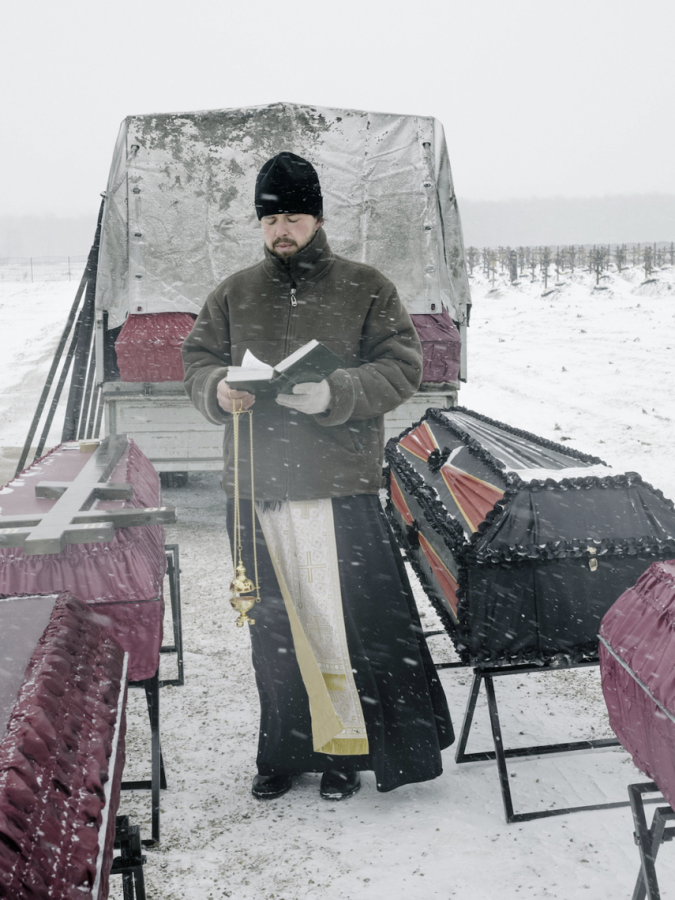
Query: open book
(312, 362)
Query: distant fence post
(41, 268)
(513, 266)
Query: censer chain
(240, 584)
(253, 520)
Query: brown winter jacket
(354, 310)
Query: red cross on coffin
(71, 519)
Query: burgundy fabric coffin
(57, 799)
(441, 346)
(637, 662)
(148, 346)
(123, 578)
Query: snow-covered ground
(591, 368)
(32, 317)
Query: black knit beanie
(288, 184)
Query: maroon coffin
(122, 578)
(148, 346)
(441, 347)
(61, 756)
(637, 662)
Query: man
(345, 679)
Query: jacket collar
(305, 267)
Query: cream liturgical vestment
(344, 674)
(300, 537)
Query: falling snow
(592, 369)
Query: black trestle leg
(173, 573)
(129, 864)
(648, 839)
(499, 748)
(460, 753)
(157, 763)
(157, 780)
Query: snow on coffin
(123, 577)
(637, 664)
(148, 346)
(62, 697)
(522, 544)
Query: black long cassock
(404, 706)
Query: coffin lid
(505, 495)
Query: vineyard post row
(595, 258)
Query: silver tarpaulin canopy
(179, 214)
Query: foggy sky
(538, 99)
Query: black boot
(267, 787)
(338, 784)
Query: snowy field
(32, 317)
(592, 368)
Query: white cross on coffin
(70, 520)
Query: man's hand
(232, 401)
(309, 397)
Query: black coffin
(521, 544)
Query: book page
(236, 374)
(251, 361)
(297, 355)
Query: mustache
(282, 240)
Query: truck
(178, 217)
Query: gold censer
(245, 593)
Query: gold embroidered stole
(300, 537)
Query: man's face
(286, 234)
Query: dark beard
(285, 257)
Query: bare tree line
(520, 262)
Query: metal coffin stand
(501, 753)
(157, 780)
(486, 675)
(129, 864)
(649, 840)
(173, 571)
